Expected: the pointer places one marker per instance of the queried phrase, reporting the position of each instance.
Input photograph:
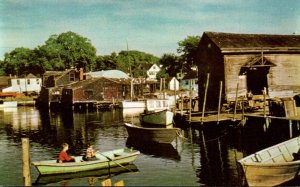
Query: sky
(151, 26)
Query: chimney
(81, 74)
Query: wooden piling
(291, 128)
(236, 99)
(181, 109)
(204, 101)
(26, 162)
(219, 104)
(174, 110)
(190, 103)
(265, 92)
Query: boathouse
(102, 91)
(53, 82)
(248, 64)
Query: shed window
(28, 81)
(72, 77)
(18, 82)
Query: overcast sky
(151, 26)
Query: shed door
(257, 79)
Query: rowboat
(107, 159)
(159, 118)
(158, 135)
(272, 166)
(99, 173)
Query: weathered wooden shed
(251, 61)
(102, 90)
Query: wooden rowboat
(159, 118)
(272, 166)
(107, 159)
(158, 135)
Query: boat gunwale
(151, 128)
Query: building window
(18, 82)
(37, 81)
(88, 93)
(72, 77)
(28, 81)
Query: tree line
(71, 50)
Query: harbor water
(198, 157)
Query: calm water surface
(198, 158)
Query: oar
(115, 162)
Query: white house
(152, 71)
(173, 84)
(190, 81)
(30, 83)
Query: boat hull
(99, 173)
(162, 118)
(8, 104)
(157, 135)
(105, 160)
(272, 166)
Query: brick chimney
(81, 74)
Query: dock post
(291, 128)
(265, 92)
(219, 104)
(26, 162)
(204, 101)
(190, 103)
(174, 96)
(236, 98)
(181, 109)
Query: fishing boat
(158, 135)
(132, 104)
(108, 159)
(99, 173)
(272, 166)
(8, 104)
(159, 118)
(157, 112)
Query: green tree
(106, 62)
(171, 63)
(187, 50)
(135, 62)
(69, 50)
(17, 62)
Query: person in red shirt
(63, 155)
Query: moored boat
(106, 159)
(132, 104)
(158, 135)
(159, 118)
(272, 166)
(8, 104)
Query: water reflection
(154, 149)
(92, 177)
(203, 157)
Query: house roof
(191, 75)
(228, 42)
(95, 79)
(108, 74)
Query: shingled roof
(229, 42)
